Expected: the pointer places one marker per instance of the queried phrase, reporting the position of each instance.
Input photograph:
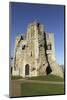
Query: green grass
(15, 77)
(47, 78)
(36, 89)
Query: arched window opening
(23, 47)
(31, 53)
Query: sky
(51, 16)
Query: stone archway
(27, 69)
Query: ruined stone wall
(36, 51)
(56, 69)
(42, 57)
(32, 50)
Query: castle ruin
(34, 53)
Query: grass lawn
(37, 89)
(15, 77)
(47, 78)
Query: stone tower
(35, 54)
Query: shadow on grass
(47, 78)
(16, 77)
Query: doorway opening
(27, 69)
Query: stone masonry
(34, 53)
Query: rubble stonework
(34, 53)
